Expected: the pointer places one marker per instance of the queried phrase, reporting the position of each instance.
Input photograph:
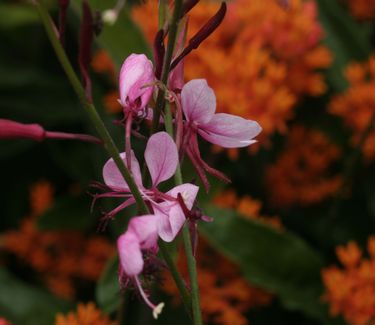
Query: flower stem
(104, 135)
(160, 103)
(176, 275)
(89, 107)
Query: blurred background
(293, 237)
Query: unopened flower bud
(136, 78)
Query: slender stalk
(173, 28)
(105, 136)
(163, 4)
(89, 107)
(192, 268)
(176, 275)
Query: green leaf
(275, 260)
(108, 289)
(347, 39)
(14, 15)
(70, 212)
(24, 304)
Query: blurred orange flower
(356, 105)
(86, 314)
(350, 290)
(362, 9)
(275, 57)
(301, 174)
(60, 257)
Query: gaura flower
(136, 79)
(229, 131)
(136, 73)
(161, 158)
(141, 237)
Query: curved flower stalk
(229, 131)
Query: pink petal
(198, 101)
(136, 72)
(230, 131)
(161, 157)
(145, 227)
(130, 253)
(113, 178)
(171, 216)
(171, 223)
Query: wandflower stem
(105, 136)
(160, 103)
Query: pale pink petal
(170, 222)
(136, 72)
(130, 253)
(145, 227)
(170, 213)
(188, 192)
(198, 101)
(114, 179)
(230, 131)
(161, 157)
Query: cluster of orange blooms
(302, 173)
(225, 294)
(60, 257)
(357, 104)
(86, 314)
(274, 52)
(362, 9)
(350, 290)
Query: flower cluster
(86, 314)
(246, 206)
(302, 174)
(350, 290)
(194, 105)
(59, 257)
(356, 105)
(274, 60)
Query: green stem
(173, 28)
(160, 103)
(90, 108)
(104, 134)
(175, 274)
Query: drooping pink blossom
(199, 105)
(140, 238)
(14, 130)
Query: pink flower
(141, 237)
(198, 102)
(161, 158)
(136, 75)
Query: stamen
(156, 310)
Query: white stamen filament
(156, 310)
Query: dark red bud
(187, 6)
(159, 51)
(202, 34)
(84, 56)
(63, 7)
